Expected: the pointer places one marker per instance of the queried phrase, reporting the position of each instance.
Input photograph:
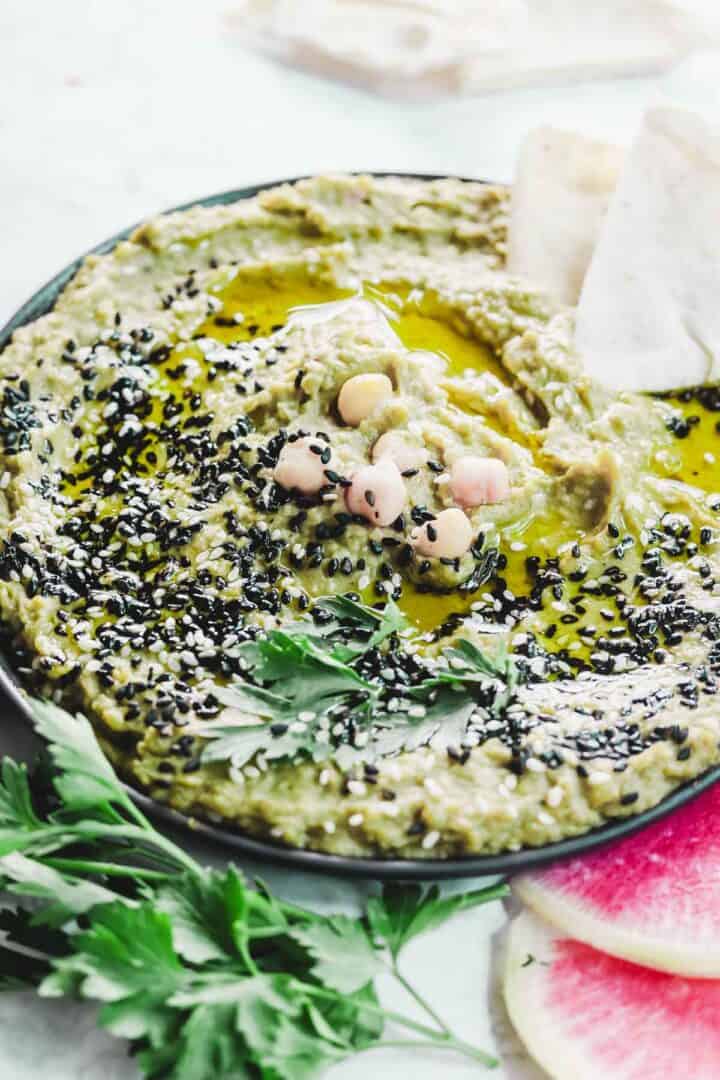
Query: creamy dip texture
(187, 467)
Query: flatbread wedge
(649, 312)
(561, 192)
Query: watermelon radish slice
(653, 898)
(586, 1016)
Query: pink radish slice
(653, 898)
(586, 1016)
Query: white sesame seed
(555, 796)
(329, 827)
(356, 787)
(430, 839)
(324, 777)
(598, 778)
(355, 819)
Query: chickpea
(394, 447)
(360, 396)
(478, 481)
(300, 467)
(448, 536)
(377, 492)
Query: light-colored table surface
(112, 112)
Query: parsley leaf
(16, 808)
(345, 957)
(404, 911)
(66, 897)
(209, 1047)
(85, 777)
(203, 911)
(125, 959)
(307, 681)
(373, 625)
(303, 677)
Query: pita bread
(561, 192)
(649, 312)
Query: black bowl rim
(505, 863)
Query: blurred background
(110, 112)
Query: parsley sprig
(207, 976)
(310, 679)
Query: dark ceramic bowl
(377, 868)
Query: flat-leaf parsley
(207, 976)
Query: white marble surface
(111, 112)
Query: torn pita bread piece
(649, 313)
(561, 193)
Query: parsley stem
(448, 1044)
(438, 1038)
(89, 866)
(417, 996)
(145, 835)
(244, 949)
(158, 839)
(260, 932)
(459, 1044)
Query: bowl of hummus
(312, 508)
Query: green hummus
(148, 545)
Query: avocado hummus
(190, 463)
